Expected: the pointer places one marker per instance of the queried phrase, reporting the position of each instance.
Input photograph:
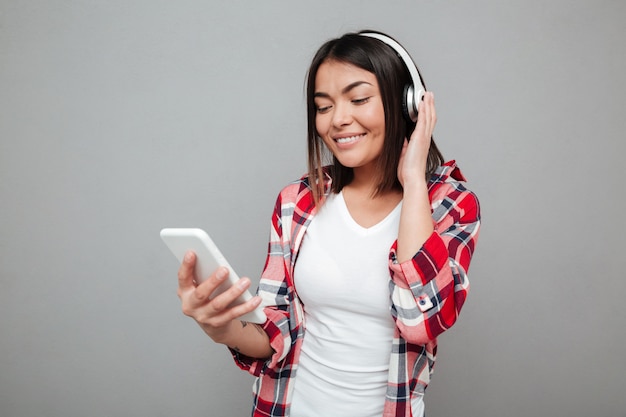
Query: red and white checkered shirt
(427, 293)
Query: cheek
(320, 125)
(372, 117)
(327, 141)
(377, 118)
(321, 128)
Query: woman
(367, 258)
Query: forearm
(249, 339)
(416, 223)
(423, 311)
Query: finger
(420, 126)
(432, 116)
(428, 105)
(221, 302)
(426, 116)
(186, 272)
(236, 311)
(203, 291)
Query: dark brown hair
(392, 75)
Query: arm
(275, 287)
(416, 222)
(429, 289)
(253, 345)
(430, 259)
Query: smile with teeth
(349, 139)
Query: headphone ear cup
(410, 101)
(409, 106)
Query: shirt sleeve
(429, 290)
(274, 290)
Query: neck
(365, 179)
(365, 183)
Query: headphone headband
(414, 92)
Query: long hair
(392, 75)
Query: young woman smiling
(368, 252)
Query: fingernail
(243, 283)
(221, 274)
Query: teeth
(349, 139)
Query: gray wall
(118, 118)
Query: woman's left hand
(414, 156)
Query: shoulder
(301, 189)
(296, 189)
(297, 196)
(447, 188)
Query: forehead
(334, 76)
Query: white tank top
(342, 277)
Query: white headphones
(412, 93)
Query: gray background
(118, 118)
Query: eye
(323, 109)
(360, 101)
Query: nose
(342, 116)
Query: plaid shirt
(427, 293)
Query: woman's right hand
(213, 315)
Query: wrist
(418, 184)
(223, 334)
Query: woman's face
(350, 117)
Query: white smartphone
(208, 259)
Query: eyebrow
(345, 90)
